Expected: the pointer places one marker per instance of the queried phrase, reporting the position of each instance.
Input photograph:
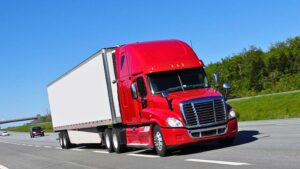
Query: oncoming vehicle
(147, 95)
(36, 131)
(5, 133)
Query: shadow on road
(243, 137)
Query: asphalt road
(262, 144)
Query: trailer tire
(60, 138)
(108, 140)
(159, 143)
(66, 140)
(116, 140)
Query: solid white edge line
(217, 162)
(142, 155)
(101, 152)
(3, 167)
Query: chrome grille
(203, 112)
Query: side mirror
(164, 94)
(226, 86)
(216, 79)
(133, 90)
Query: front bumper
(37, 134)
(180, 136)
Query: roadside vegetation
(47, 127)
(268, 107)
(250, 72)
(254, 71)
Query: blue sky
(40, 40)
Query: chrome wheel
(107, 141)
(64, 141)
(158, 141)
(115, 141)
(61, 142)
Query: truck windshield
(178, 80)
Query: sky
(40, 40)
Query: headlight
(231, 114)
(173, 122)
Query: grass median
(268, 107)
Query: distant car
(5, 133)
(36, 131)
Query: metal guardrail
(17, 120)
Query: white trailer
(84, 99)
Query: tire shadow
(243, 137)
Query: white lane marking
(29, 145)
(80, 147)
(37, 146)
(101, 152)
(59, 148)
(76, 149)
(3, 167)
(216, 162)
(142, 155)
(23, 144)
(47, 147)
(286, 124)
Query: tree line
(254, 71)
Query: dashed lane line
(101, 152)
(3, 167)
(136, 155)
(47, 147)
(77, 149)
(217, 162)
(143, 155)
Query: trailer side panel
(80, 98)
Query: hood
(194, 93)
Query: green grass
(268, 107)
(47, 127)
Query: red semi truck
(149, 95)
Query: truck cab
(166, 99)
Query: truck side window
(122, 61)
(141, 87)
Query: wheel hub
(158, 141)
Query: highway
(272, 144)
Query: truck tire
(116, 140)
(108, 140)
(66, 140)
(159, 143)
(227, 141)
(60, 138)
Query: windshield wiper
(193, 86)
(172, 89)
